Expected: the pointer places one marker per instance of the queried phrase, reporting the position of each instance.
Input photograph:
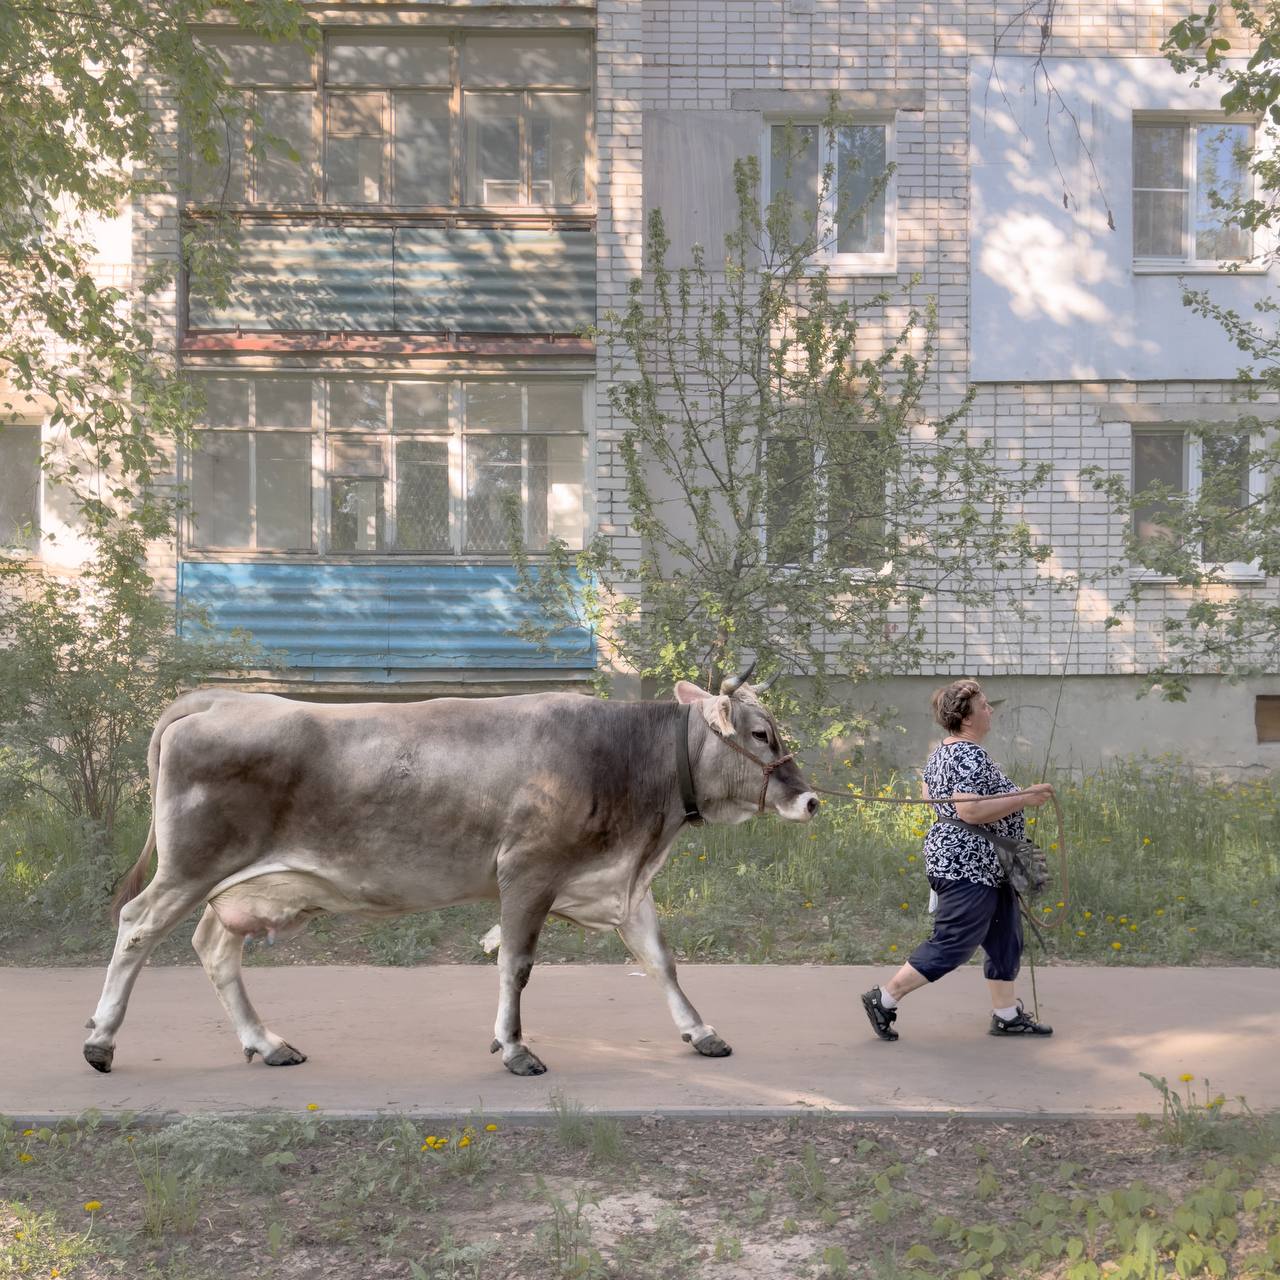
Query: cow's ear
(718, 713)
(687, 692)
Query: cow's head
(728, 783)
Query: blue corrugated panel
(306, 277)
(485, 280)
(409, 280)
(388, 617)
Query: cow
(269, 810)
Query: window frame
(884, 263)
(1192, 478)
(453, 432)
(455, 92)
(33, 545)
(1190, 123)
(822, 524)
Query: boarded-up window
(527, 60)
(1266, 717)
(385, 60)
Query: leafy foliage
(86, 668)
(793, 499)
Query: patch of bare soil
(653, 1199)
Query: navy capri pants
(970, 916)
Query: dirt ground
(585, 1196)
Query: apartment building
(402, 353)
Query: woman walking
(976, 905)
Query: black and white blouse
(951, 853)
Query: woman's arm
(980, 809)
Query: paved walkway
(416, 1041)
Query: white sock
(1007, 1014)
(887, 1000)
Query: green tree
(80, 142)
(88, 665)
(1199, 539)
(795, 502)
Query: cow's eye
(759, 735)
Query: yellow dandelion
(1061, 904)
(26, 1133)
(1124, 919)
(92, 1206)
(893, 946)
(702, 857)
(1088, 915)
(425, 1146)
(906, 906)
(491, 1128)
(911, 857)
(1186, 1077)
(313, 1106)
(808, 906)
(1133, 928)
(1159, 911)
(25, 1157)
(1115, 946)
(1191, 928)
(1111, 919)
(19, 1235)
(464, 1142)
(1053, 848)
(54, 1273)
(1182, 897)
(1253, 902)
(1080, 933)
(1046, 910)
(848, 764)
(1146, 839)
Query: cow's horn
(769, 683)
(731, 684)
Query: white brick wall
(698, 52)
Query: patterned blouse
(949, 852)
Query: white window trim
(321, 433)
(1187, 265)
(1242, 571)
(851, 264)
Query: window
(855, 223)
(404, 466)
(19, 486)
(1187, 176)
(1176, 464)
(250, 475)
(828, 504)
(405, 119)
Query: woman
(976, 905)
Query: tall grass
(1164, 869)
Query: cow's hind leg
(523, 916)
(643, 937)
(144, 923)
(220, 950)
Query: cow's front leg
(523, 915)
(643, 936)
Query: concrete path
(416, 1041)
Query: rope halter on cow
(688, 797)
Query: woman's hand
(1034, 797)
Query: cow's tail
(131, 885)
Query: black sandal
(881, 1019)
(1021, 1024)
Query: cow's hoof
(284, 1056)
(99, 1056)
(710, 1046)
(524, 1063)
